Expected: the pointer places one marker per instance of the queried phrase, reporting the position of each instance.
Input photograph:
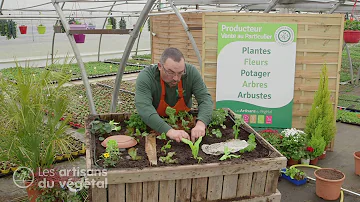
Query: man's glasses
(171, 73)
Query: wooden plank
(244, 184)
(98, 194)
(167, 191)
(271, 181)
(258, 183)
(230, 186)
(151, 191)
(199, 189)
(191, 171)
(134, 192)
(116, 192)
(215, 187)
(183, 190)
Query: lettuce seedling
(252, 144)
(227, 155)
(172, 115)
(167, 158)
(216, 132)
(162, 136)
(238, 122)
(194, 147)
(167, 146)
(133, 154)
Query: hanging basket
(41, 29)
(23, 29)
(352, 36)
(79, 38)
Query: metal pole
(103, 28)
(350, 62)
(77, 56)
(53, 39)
(1, 5)
(271, 6)
(336, 6)
(191, 38)
(125, 56)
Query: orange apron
(179, 106)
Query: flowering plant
(272, 136)
(309, 153)
(112, 154)
(293, 142)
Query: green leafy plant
(218, 117)
(252, 144)
(161, 137)
(101, 128)
(216, 132)
(228, 155)
(318, 144)
(321, 116)
(135, 121)
(122, 23)
(352, 25)
(292, 146)
(168, 158)
(295, 173)
(133, 154)
(194, 147)
(172, 115)
(112, 154)
(236, 127)
(167, 146)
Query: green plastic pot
(109, 26)
(41, 29)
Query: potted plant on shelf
(91, 26)
(41, 29)
(294, 176)
(76, 25)
(351, 31)
(111, 23)
(122, 23)
(23, 29)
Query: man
(172, 83)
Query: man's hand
(177, 135)
(198, 130)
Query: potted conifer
(321, 118)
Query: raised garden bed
(253, 177)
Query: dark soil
(183, 151)
(330, 174)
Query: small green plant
(135, 121)
(168, 158)
(112, 154)
(162, 136)
(194, 147)
(216, 132)
(236, 127)
(295, 173)
(185, 124)
(252, 144)
(172, 115)
(218, 118)
(101, 128)
(133, 154)
(167, 146)
(228, 155)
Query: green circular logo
(284, 35)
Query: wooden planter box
(249, 181)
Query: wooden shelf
(99, 31)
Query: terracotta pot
(291, 162)
(357, 162)
(322, 156)
(32, 192)
(326, 188)
(314, 161)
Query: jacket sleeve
(202, 96)
(144, 106)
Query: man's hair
(173, 53)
